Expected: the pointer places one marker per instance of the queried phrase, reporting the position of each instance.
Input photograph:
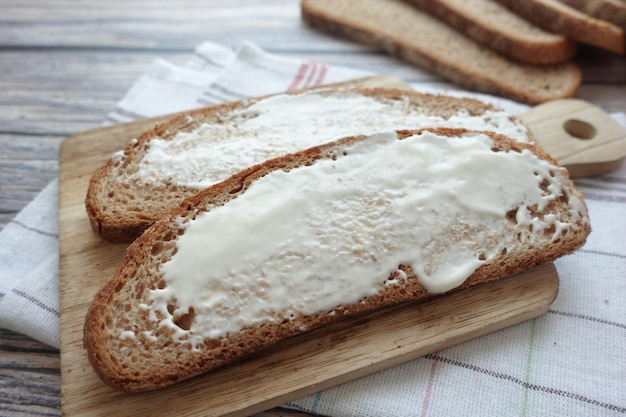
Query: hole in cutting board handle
(579, 129)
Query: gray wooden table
(64, 65)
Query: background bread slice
(131, 352)
(495, 26)
(613, 11)
(414, 36)
(558, 17)
(121, 203)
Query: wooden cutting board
(338, 353)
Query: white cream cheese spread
(329, 234)
(285, 124)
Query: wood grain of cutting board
(345, 350)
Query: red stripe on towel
(322, 74)
(299, 76)
(429, 387)
(309, 79)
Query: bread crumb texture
(159, 169)
(144, 330)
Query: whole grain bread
(122, 200)
(412, 35)
(558, 17)
(613, 11)
(131, 349)
(495, 26)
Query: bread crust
(119, 210)
(532, 84)
(613, 11)
(533, 45)
(158, 363)
(560, 18)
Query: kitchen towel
(570, 361)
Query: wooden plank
(341, 352)
(27, 165)
(611, 98)
(156, 24)
(30, 375)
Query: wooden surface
(63, 66)
(338, 353)
(580, 136)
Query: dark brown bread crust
(560, 18)
(119, 210)
(551, 49)
(419, 52)
(613, 11)
(142, 364)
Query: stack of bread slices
(522, 50)
(259, 220)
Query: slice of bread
(195, 150)
(495, 26)
(412, 35)
(613, 11)
(560, 18)
(305, 239)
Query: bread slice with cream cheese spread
(195, 150)
(302, 240)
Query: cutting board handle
(580, 136)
